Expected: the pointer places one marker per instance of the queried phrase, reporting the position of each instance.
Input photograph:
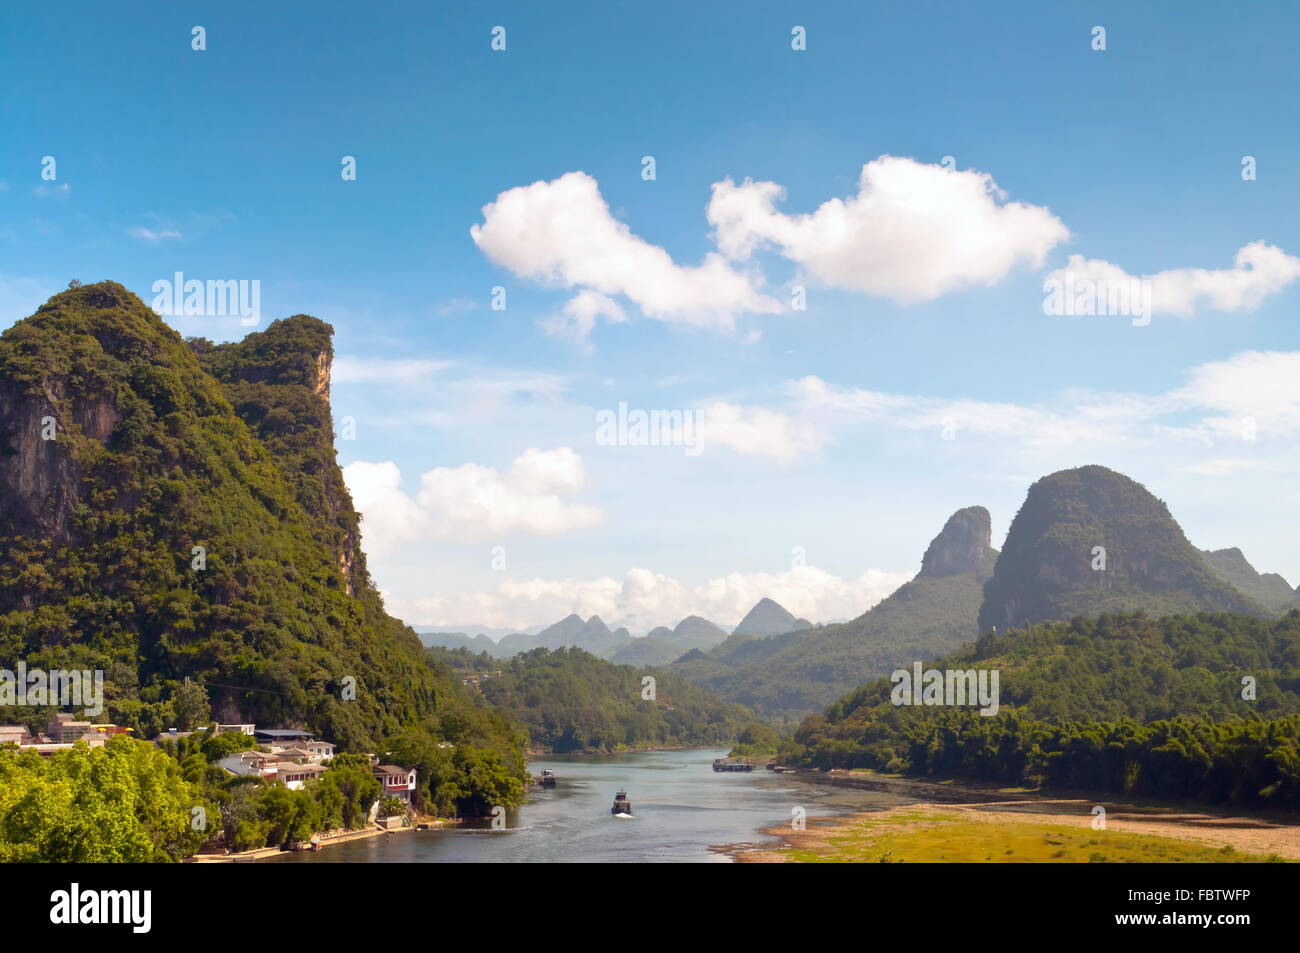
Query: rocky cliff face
(962, 546)
(50, 428)
(278, 381)
(191, 523)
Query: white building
(293, 775)
(397, 782)
(254, 764)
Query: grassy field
(939, 835)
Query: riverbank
(324, 840)
(532, 755)
(1028, 831)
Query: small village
(289, 756)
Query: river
(681, 806)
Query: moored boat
(733, 764)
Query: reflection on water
(682, 808)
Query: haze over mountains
(799, 672)
(767, 617)
(1268, 589)
(662, 645)
(659, 646)
(1050, 569)
(1086, 541)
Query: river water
(681, 806)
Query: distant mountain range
(769, 618)
(802, 671)
(593, 635)
(1086, 541)
(495, 633)
(659, 646)
(662, 645)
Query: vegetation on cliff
(188, 520)
(1090, 540)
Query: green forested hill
(1131, 665)
(154, 456)
(278, 382)
(1072, 518)
(663, 645)
(1124, 702)
(571, 701)
(1268, 589)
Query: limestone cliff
(1090, 540)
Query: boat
(733, 764)
(621, 804)
(547, 780)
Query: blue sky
(824, 471)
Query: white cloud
(578, 317)
(1259, 270)
(1089, 417)
(1232, 466)
(1251, 397)
(1258, 389)
(537, 472)
(389, 518)
(375, 370)
(471, 502)
(758, 431)
(154, 236)
(562, 232)
(643, 599)
(912, 233)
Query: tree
(124, 802)
(190, 704)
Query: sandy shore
(1246, 834)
